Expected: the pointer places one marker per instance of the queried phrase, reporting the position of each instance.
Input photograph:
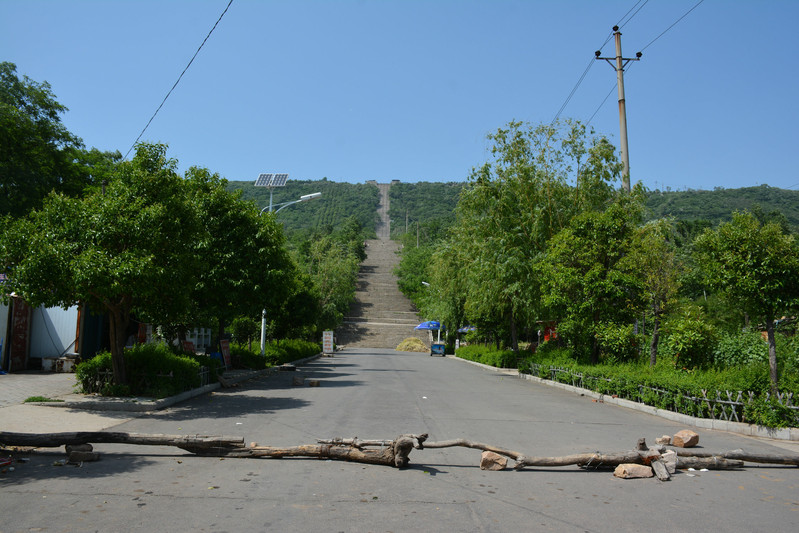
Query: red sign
(224, 345)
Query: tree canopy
(757, 266)
(37, 152)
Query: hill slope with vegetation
(339, 201)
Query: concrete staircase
(381, 316)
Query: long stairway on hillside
(381, 316)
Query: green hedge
(153, 370)
(275, 353)
(488, 356)
(662, 386)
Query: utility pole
(621, 62)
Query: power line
(634, 14)
(642, 49)
(607, 96)
(670, 27)
(591, 61)
(178, 80)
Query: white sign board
(327, 342)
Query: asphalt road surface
(379, 394)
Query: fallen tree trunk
(199, 444)
(766, 458)
(392, 452)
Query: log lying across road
(199, 444)
(393, 452)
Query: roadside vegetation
(544, 246)
(137, 241)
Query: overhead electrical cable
(642, 49)
(178, 80)
(591, 61)
(670, 27)
(634, 14)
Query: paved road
(380, 394)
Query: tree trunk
(118, 322)
(220, 334)
(199, 444)
(772, 355)
(653, 345)
(514, 337)
(595, 342)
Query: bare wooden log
(384, 456)
(591, 459)
(711, 463)
(766, 458)
(355, 442)
(191, 443)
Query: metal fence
(717, 405)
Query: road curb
(750, 430)
(140, 405)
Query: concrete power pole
(620, 63)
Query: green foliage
(431, 206)
(245, 263)
(617, 342)
(587, 281)
(770, 413)
(41, 399)
(330, 260)
(665, 387)
(700, 209)
(245, 329)
(244, 357)
(755, 265)
(488, 356)
(690, 339)
(740, 349)
(37, 152)
(154, 370)
(339, 201)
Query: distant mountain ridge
(719, 204)
(428, 202)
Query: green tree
(242, 255)
(653, 257)
(37, 152)
(539, 178)
(588, 283)
(755, 265)
(130, 250)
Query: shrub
(690, 339)
(488, 356)
(617, 342)
(246, 358)
(769, 413)
(153, 370)
(740, 349)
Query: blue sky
(368, 89)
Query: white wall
(53, 332)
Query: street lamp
(283, 205)
(271, 181)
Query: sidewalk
(79, 412)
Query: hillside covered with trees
(339, 201)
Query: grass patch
(41, 399)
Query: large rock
(685, 439)
(665, 440)
(632, 470)
(669, 458)
(493, 461)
